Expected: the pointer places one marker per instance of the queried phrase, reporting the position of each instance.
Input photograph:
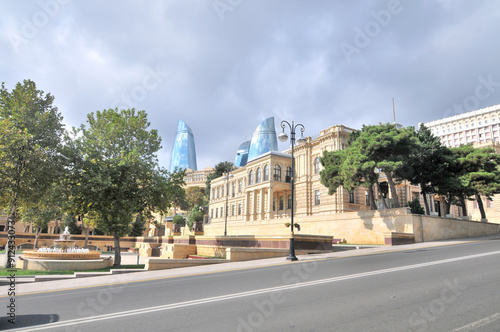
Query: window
(474, 204)
(289, 205)
(274, 203)
(317, 197)
(367, 198)
(288, 176)
(266, 173)
(281, 202)
(234, 188)
(250, 178)
(277, 173)
(239, 209)
(216, 212)
(489, 203)
(212, 213)
(257, 176)
(213, 193)
(316, 166)
(239, 186)
(232, 210)
(218, 192)
(351, 197)
(222, 191)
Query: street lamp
(283, 138)
(227, 175)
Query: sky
(223, 66)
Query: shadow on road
(27, 321)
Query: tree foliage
(69, 220)
(195, 196)
(115, 172)
(481, 173)
(30, 139)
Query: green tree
(43, 211)
(139, 226)
(429, 166)
(30, 139)
(389, 147)
(482, 173)
(349, 168)
(69, 220)
(195, 215)
(415, 206)
(115, 172)
(195, 196)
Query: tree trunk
(426, 204)
(373, 204)
(118, 257)
(10, 229)
(447, 204)
(480, 206)
(380, 195)
(87, 230)
(392, 188)
(37, 236)
(464, 205)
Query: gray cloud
(178, 59)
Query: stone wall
(362, 227)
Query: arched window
(266, 173)
(277, 173)
(250, 178)
(316, 166)
(288, 175)
(257, 176)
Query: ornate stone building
(260, 192)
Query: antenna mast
(394, 110)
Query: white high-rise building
(476, 127)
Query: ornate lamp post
(227, 175)
(283, 138)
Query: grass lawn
(4, 272)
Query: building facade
(197, 178)
(261, 190)
(476, 127)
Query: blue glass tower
(183, 151)
(264, 139)
(242, 154)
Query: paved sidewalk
(23, 288)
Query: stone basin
(33, 254)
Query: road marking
(244, 268)
(480, 323)
(244, 294)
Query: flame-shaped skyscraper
(183, 150)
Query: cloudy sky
(225, 65)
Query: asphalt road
(429, 287)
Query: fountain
(64, 240)
(63, 256)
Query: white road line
(480, 323)
(244, 294)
